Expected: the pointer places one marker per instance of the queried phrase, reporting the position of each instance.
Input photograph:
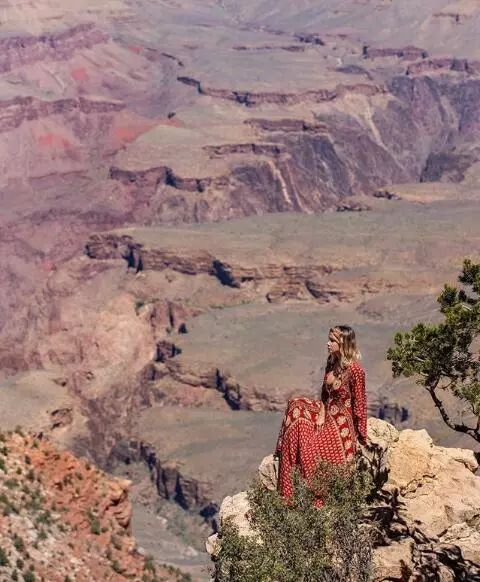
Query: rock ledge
(427, 503)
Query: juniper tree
(445, 357)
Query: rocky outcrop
(20, 109)
(16, 51)
(286, 125)
(63, 518)
(310, 38)
(153, 177)
(386, 194)
(260, 149)
(289, 280)
(426, 506)
(444, 64)
(237, 396)
(292, 48)
(408, 53)
(253, 98)
(170, 480)
(109, 246)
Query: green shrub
(29, 576)
(179, 575)
(18, 543)
(3, 558)
(296, 541)
(44, 518)
(8, 506)
(149, 564)
(95, 527)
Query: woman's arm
(359, 397)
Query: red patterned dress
(327, 429)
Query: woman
(327, 429)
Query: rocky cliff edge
(427, 506)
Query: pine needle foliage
(445, 357)
(297, 542)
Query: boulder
(237, 508)
(268, 472)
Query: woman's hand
(321, 416)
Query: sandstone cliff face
(102, 368)
(284, 280)
(168, 477)
(411, 117)
(427, 504)
(366, 137)
(63, 518)
(21, 50)
(19, 110)
(321, 169)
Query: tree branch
(473, 432)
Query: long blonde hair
(347, 341)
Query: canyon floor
(191, 194)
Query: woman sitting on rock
(328, 429)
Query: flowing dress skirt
(314, 431)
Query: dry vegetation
(63, 520)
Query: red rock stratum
(63, 519)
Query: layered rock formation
(117, 123)
(111, 119)
(22, 50)
(426, 505)
(63, 519)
